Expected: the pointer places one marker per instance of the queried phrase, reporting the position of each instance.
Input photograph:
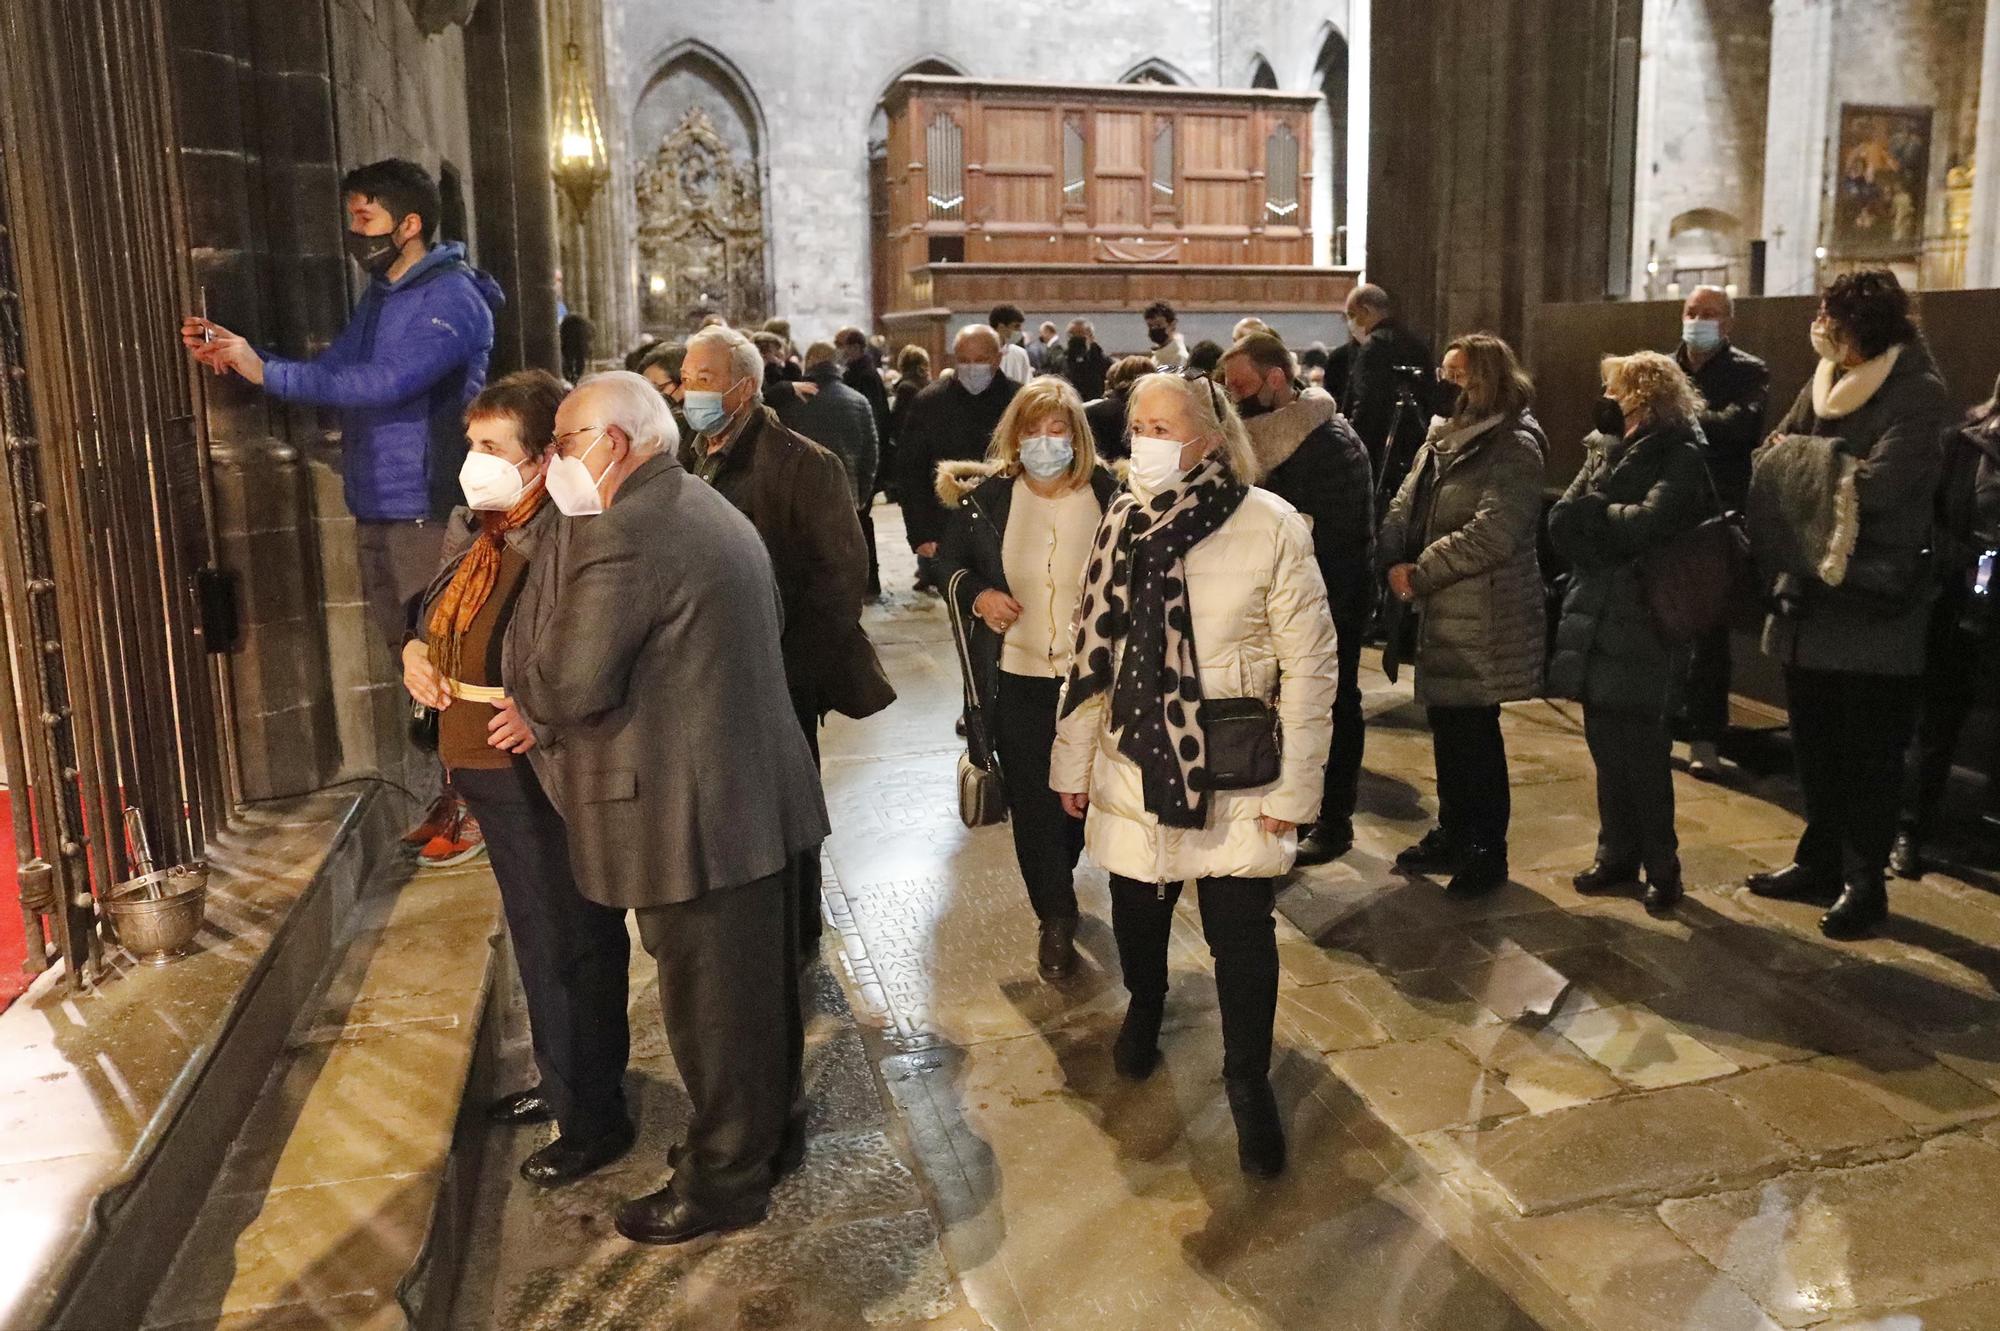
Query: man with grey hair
(798, 497)
(1735, 390)
(1385, 355)
(644, 650)
(1080, 360)
(950, 421)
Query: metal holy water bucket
(157, 914)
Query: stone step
(342, 1192)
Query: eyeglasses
(561, 444)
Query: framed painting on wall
(1882, 180)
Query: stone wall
(399, 93)
(275, 102)
(814, 72)
(1703, 95)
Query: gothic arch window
(1261, 74)
(697, 143)
(1330, 129)
(1153, 70)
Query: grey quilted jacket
(1467, 517)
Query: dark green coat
(1632, 496)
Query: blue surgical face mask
(976, 377)
(1703, 335)
(704, 410)
(1047, 456)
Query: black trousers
(1705, 687)
(1047, 841)
(1475, 804)
(1635, 790)
(804, 883)
(1849, 732)
(868, 535)
(1953, 684)
(572, 952)
(1236, 920)
(729, 994)
(1343, 761)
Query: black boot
(1484, 868)
(1863, 904)
(1137, 1051)
(1438, 850)
(1663, 891)
(1794, 882)
(1906, 858)
(1260, 1134)
(1601, 877)
(1056, 958)
(1327, 842)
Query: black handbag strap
(976, 743)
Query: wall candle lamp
(581, 163)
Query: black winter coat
(1107, 427)
(1735, 389)
(865, 379)
(1372, 385)
(1631, 497)
(1328, 479)
(975, 537)
(944, 423)
(1085, 371)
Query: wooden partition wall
(1038, 175)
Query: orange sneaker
(462, 842)
(443, 812)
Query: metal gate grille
(105, 519)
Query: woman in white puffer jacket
(1200, 588)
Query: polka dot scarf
(1136, 589)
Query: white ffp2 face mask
(1156, 464)
(490, 483)
(572, 486)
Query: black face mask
(1609, 417)
(1077, 346)
(375, 254)
(1159, 336)
(1250, 407)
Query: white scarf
(1833, 400)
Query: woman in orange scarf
(572, 952)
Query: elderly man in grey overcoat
(644, 650)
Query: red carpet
(13, 943)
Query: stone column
(1982, 254)
(1800, 121)
(1357, 132)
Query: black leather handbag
(982, 794)
(1244, 740)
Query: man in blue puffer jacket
(401, 374)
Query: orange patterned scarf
(473, 581)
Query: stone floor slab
(1624, 1271)
(1811, 1106)
(1813, 1245)
(1671, 1141)
(1425, 1085)
(1641, 1048)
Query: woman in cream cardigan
(1200, 587)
